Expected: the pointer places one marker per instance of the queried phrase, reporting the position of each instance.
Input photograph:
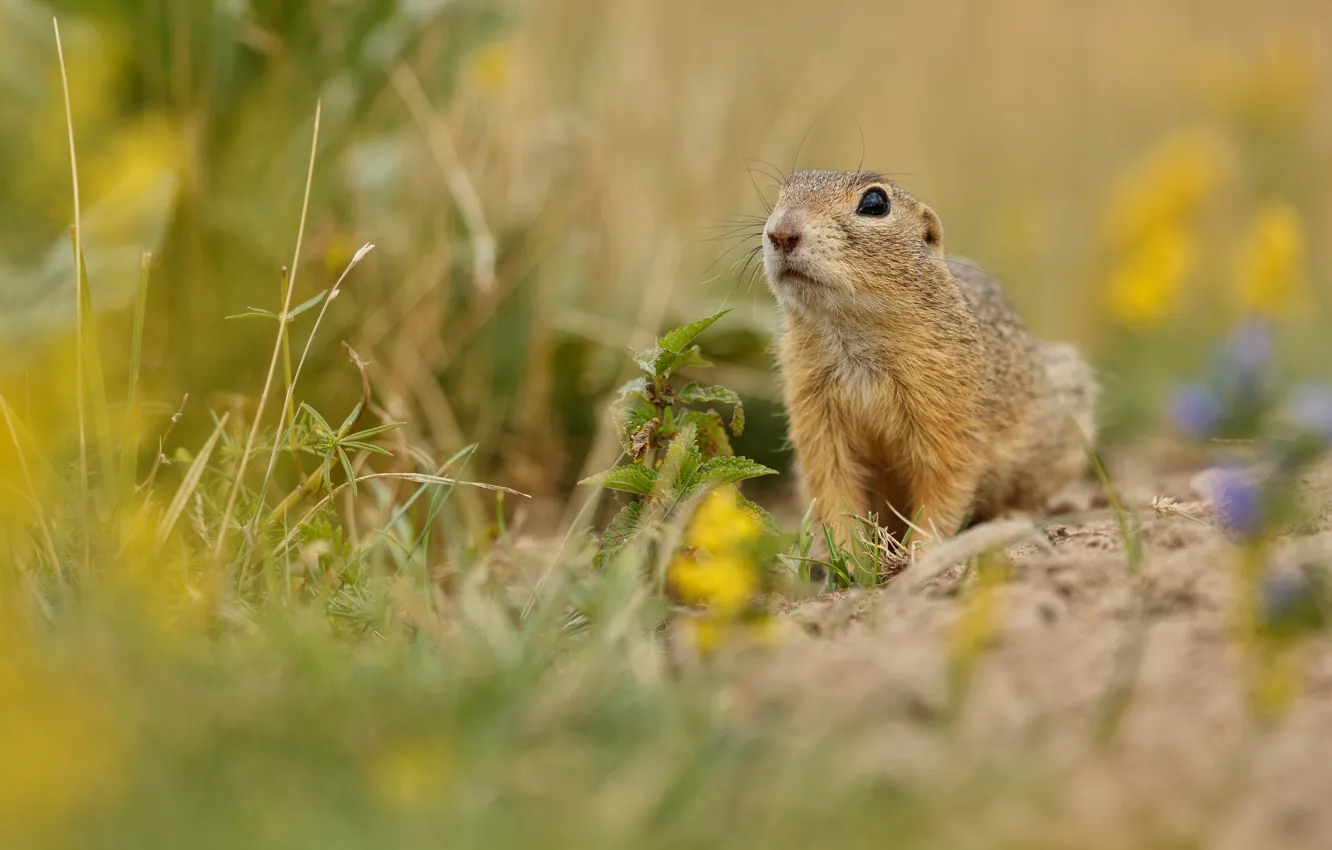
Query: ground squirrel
(909, 379)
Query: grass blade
(419, 477)
(190, 482)
(296, 376)
(32, 488)
(78, 308)
(277, 349)
(129, 454)
(95, 388)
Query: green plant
(677, 452)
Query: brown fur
(909, 379)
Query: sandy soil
(1187, 767)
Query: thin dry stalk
(971, 543)
(191, 481)
(277, 346)
(296, 376)
(455, 176)
(651, 313)
(79, 318)
(418, 477)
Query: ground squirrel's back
(910, 381)
(1045, 388)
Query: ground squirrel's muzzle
(784, 231)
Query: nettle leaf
(666, 362)
(637, 387)
(731, 470)
(646, 360)
(641, 440)
(633, 478)
(676, 340)
(680, 466)
(695, 394)
(620, 531)
(712, 436)
(758, 513)
(637, 426)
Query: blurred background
(547, 182)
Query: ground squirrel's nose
(784, 237)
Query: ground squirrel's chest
(850, 386)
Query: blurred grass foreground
(294, 548)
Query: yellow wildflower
(1274, 678)
(978, 622)
(1271, 90)
(719, 525)
(706, 633)
(407, 775)
(1148, 282)
(1272, 260)
(1167, 189)
(63, 750)
(491, 67)
(719, 573)
(725, 584)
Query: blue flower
(1195, 411)
(1248, 350)
(1295, 602)
(1311, 408)
(1238, 501)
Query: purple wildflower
(1295, 601)
(1248, 350)
(1238, 501)
(1311, 408)
(1195, 411)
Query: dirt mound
(1187, 764)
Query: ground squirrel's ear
(933, 230)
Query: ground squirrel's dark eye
(874, 202)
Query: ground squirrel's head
(838, 238)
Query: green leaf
(730, 470)
(695, 394)
(676, 340)
(365, 447)
(665, 363)
(347, 468)
(758, 513)
(713, 440)
(637, 426)
(636, 387)
(620, 531)
(646, 360)
(253, 313)
(680, 466)
(375, 431)
(350, 420)
(314, 415)
(631, 478)
(306, 305)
